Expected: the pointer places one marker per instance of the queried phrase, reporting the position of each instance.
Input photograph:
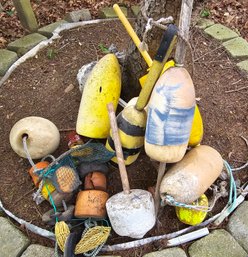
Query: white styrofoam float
(42, 137)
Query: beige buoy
(187, 180)
(42, 137)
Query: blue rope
(171, 201)
(233, 189)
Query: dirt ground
(38, 87)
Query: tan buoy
(188, 179)
(42, 137)
(170, 115)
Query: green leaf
(10, 12)
(51, 53)
(103, 48)
(205, 13)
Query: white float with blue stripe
(170, 115)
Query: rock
(219, 243)
(221, 32)
(237, 47)
(79, 15)
(171, 252)
(47, 31)
(108, 12)
(13, 242)
(204, 23)
(7, 58)
(243, 66)
(38, 251)
(24, 44)
(135, 10)
(238, 225)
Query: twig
(236, 90)
(246, 141)
(97, 56)
(27, 193)
(63, 46)
(208, 53)
(246, 164)
(236, 82)
(37, 210)
(65, 130)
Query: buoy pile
(164, 119)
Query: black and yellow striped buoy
(131, 124)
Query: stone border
(235, 46)
(19, 47)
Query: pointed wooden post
(184, 26)
(26, 15)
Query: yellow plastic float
(102, 87)
(190, 216)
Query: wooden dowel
(161, 171)
(118, 149)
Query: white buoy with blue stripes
(170, 115)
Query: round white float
(42, 137)
(131, 214)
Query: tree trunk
(135, 67)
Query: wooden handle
(118, 149)
(132, 33)
(162, 55)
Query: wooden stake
(184, 25)
(118, 149)
(161, 171)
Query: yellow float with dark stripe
(102, 86)
(131, 124)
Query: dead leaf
(69, 88)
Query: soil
(39, 87)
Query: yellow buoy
(47, 189)
(196, 132)
(193, 217)
(102, 87)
